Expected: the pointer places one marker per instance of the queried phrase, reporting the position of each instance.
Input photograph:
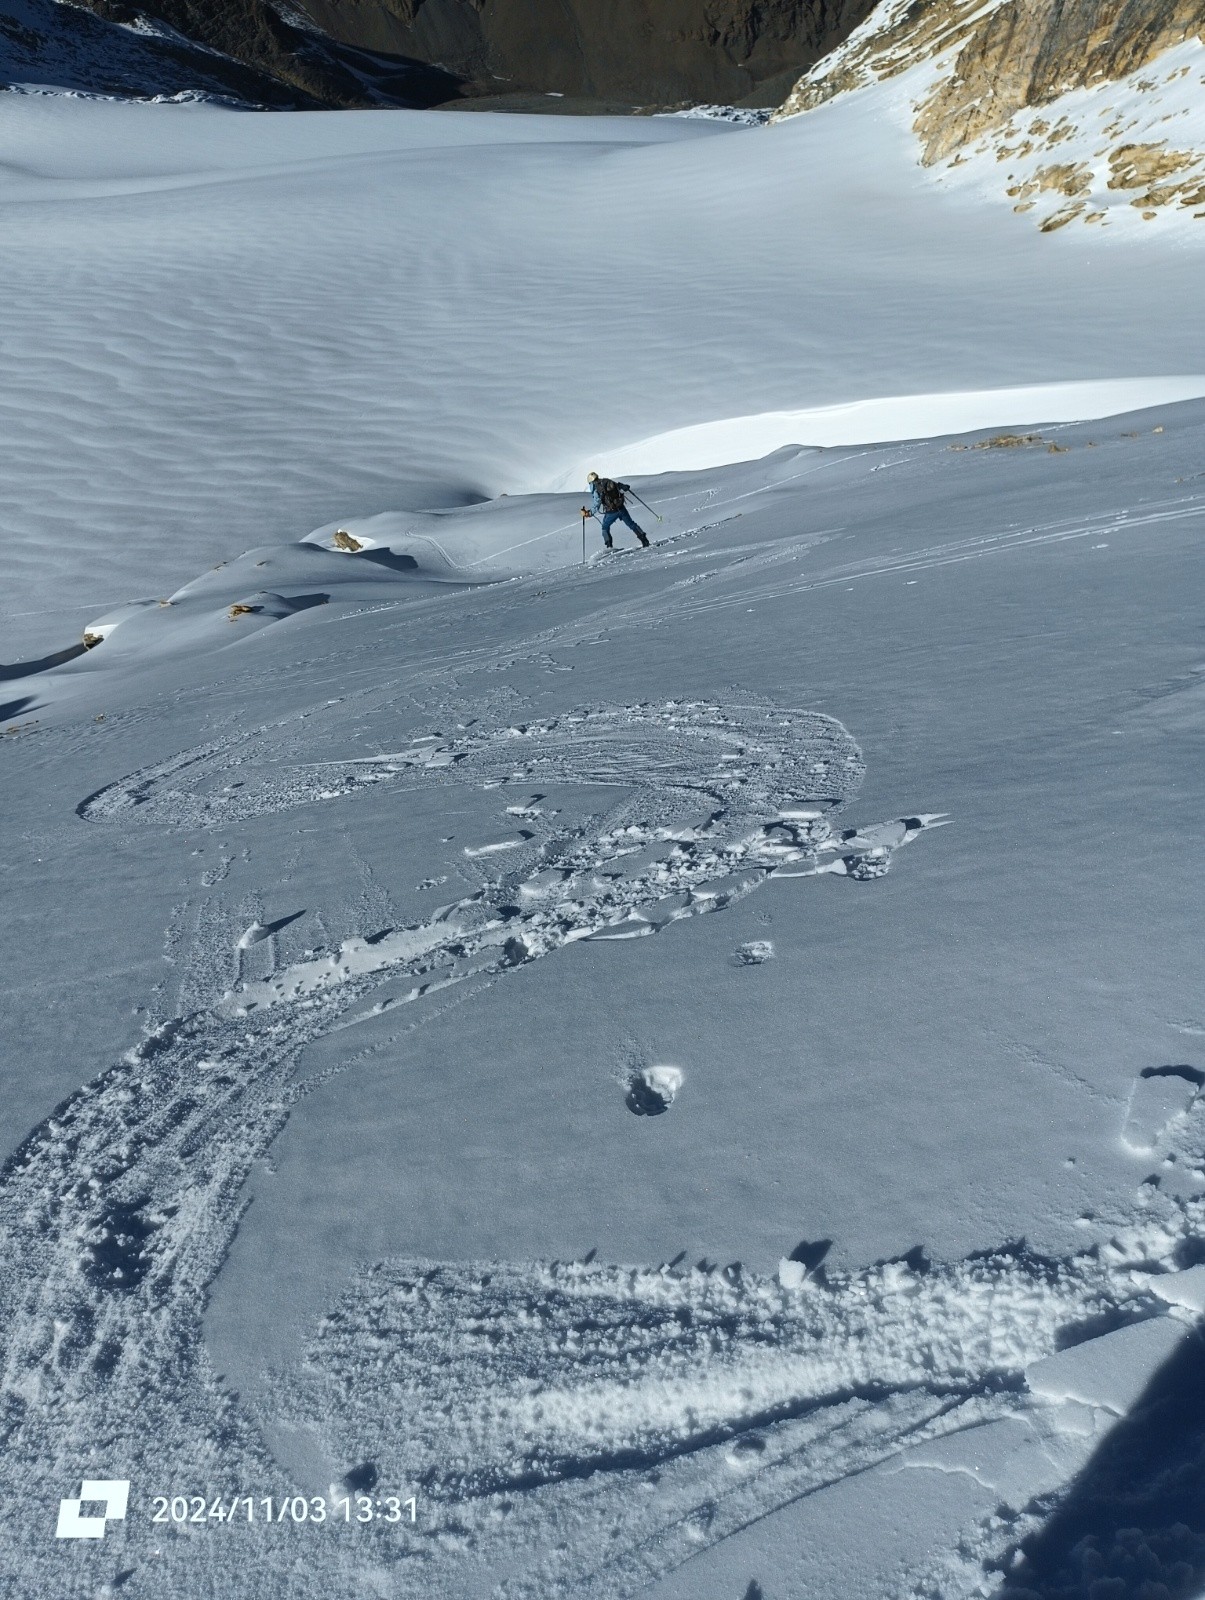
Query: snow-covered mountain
(249, 53)
(1091, 112)
(48, 45)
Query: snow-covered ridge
(1115, 154)
(1092, 114)
(893, 417)
(738, 115)
(410, 556)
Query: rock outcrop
(44, 43)
(1024, 80)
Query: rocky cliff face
(43, 42)
(594, 53)
(643, 52)
(1101, 85)
(253, 50)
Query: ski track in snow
(682, 1404)
(116, 1213)
(748, 751)
(675, 1405)
(1182, 508)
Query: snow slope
(453, 308)
(687, 1063)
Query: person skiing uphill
(607, 502)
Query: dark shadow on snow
(1132, 1526)
(361, 1479)
(26, 669)
(643, 1099)
(1191, 1075)
(392, 559)
(810, 1253)
(267, 928)
(1189, 1253)
(14, 708)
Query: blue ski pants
(611, 517)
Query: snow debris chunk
(1110, 1372)
(792, 1274)
(754, 952)
(653, 1090)
(1182, 1288)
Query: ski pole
(645, 504)
(585, 514)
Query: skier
(607, 501)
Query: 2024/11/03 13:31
(337, 1510)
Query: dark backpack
(611, 494)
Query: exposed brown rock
(1067, 178)
(1018, 54)
(1145, 166)
(1002, 441)
(1059, 219)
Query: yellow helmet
(592, 477)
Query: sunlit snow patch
(891, 417)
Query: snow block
(1111, 1371)
(791, 1274)
(1182, 1288)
